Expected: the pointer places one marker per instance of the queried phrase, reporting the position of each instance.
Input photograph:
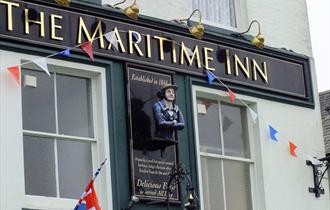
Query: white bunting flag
(253, 115)
(42, 63)
(190, 52)
(111, 37)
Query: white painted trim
(11, 150)
(11, 141)
(45, 134)
(223, 157)
(256, 180)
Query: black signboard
(152, 159)
(264, 73)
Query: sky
(318, 14)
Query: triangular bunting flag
(14, 70)
(210, 76)
(111, 37)
(253, 115)
(293, 147)
(65, 53)
(231, 96)
(42, 63)
(135, 37)
(272, 132)
(87, 47)
(189, 51)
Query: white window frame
(12, 192)
(241, 15)
(256, 180)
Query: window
(56, 134)
(225, 163)
(217, 11)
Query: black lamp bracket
(178, 174)
(319, 171)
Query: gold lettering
(133, 44)
(148, 46)
(10, 6)
(228, 67)
(161, 46)
(173, 52)
(120, 42)
(83, 28)
(263, 73)
(41, 22)
(53, 26)
(184, 52)
(207, 58)
(246, 68)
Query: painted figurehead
(167, 114)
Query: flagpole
(90, 183)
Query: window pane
(212, 184)
(74, 106)
(217, 11)
(39, 166)
(209, 126)
(38, 103)
(234, 131)
(237, 179)
(74, 167)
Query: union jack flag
(88, 200)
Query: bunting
(189, 51)
(210, 76)
(231, 96)
(293, 148)
(65, 53)
(42, 63)
(253, 115)
(272, 132)
(111, 37)
(87, 47)
(135, 37)
(14, 71)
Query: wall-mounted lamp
(130, 11)
(318, 174)
(258, 40)
(196, 30)
(178, 174)
(65, 3)
(132, 202)
(191, 203)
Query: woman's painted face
(170, 94)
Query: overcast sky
(318, 12)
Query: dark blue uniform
(167, 120)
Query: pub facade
(183, 122)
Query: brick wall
(325, 102)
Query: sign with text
(152, 159)
(264, 73)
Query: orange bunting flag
(293, 147)
(88, 49)
(231, 96)
(14, 70)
